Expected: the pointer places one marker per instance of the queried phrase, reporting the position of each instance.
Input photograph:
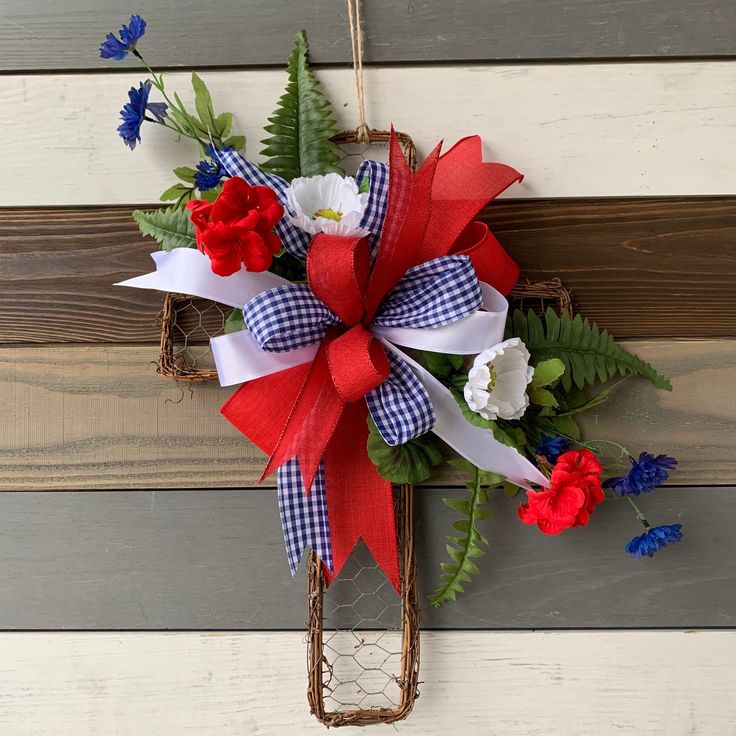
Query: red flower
(238, 227)
(574, 491)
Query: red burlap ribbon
(316, 412)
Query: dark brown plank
(661, 267)
(45, 35)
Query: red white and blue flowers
(390, 341)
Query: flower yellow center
(329, 214)
(492, 379)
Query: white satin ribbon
(188, 271)
(468, 336)
(239, 357)
(474, 443)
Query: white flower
(496, 387)
(327, 203)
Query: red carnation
(238, 227)
(574, 491)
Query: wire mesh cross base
(538, 295)
(363, 638)
(187, 324)
(355, 150)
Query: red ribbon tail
(359, 501)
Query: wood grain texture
(523, 684)
(93, 417)
(192, 560)
(573, 129)
(41, 35)
(632, 264)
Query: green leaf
(464, 547)
(442, 365)
(365, 185)
(235, 321)
(548, 372)
(210, 195)
(224, 124)
(185, 173)
(562, 424)
(507, 434)
(235, 141)
(170, 227)
(589, 354)
(542, 397)
(473, 417)
(302, 125)
(411, 462)
(179, 193)
(203, 104)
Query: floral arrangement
(370, 332)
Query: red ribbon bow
(316, 412)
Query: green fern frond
(302, 125)
(171, 227)
(465, 546)
(589, 353)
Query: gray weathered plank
(215, 560)
(45, 35)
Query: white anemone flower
(327, 203)
(496, 387)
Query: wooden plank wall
(127, 503)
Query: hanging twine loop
(363, 134)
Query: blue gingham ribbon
(295, 240)
(430, 295)
(303, 517)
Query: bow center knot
(338, 269)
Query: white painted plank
(519, 684)
(574, 130)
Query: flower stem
(188, 129)
(639, 513)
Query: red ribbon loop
(338, 269)
(358, 363)
(491, 262)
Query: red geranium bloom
(237, 228)
(574, 491)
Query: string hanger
(356, 39)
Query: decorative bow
(318, 357)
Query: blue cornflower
(134, 112)
(118, 48)
(646, 474)
(551, 447)
(210, 171)
(654, 539)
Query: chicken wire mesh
(187, 325)
(363, 636)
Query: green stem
(158, 83)
(639, 513)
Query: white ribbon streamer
(239, 357)
(188, 271)
(474, 443)
(468, 336)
